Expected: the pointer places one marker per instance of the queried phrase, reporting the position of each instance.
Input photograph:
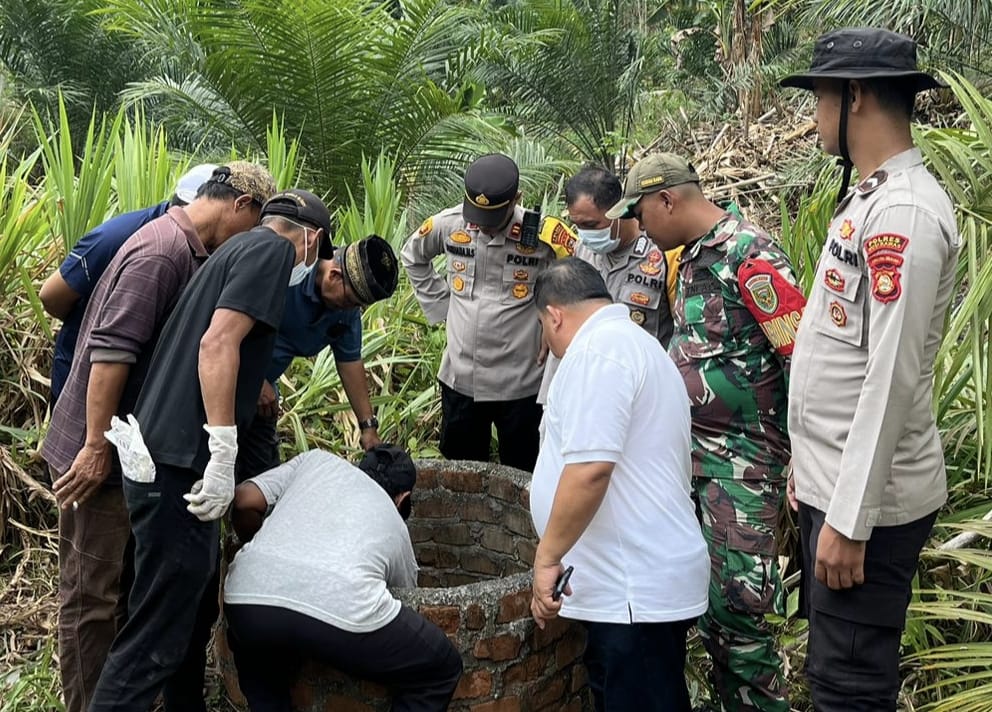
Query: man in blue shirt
(66, 292)
(323, 308)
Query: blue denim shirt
(308, 325)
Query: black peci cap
(863, 53)
(370, 269)
(304, 206)
(491, 185)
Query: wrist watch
(369, 423)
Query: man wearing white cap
(65, 293)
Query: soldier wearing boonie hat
(322, 309)
(734, 320)
(866, 456)
(489, 373)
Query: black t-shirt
(248, 273)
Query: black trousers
(637, 666)
(466, 428)
(409, 655)
(173, 602)
(852, 662)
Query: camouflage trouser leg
(738, 520)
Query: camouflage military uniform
(735, 315)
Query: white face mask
(301, 270)
(599, 240)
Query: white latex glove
(136, 462)
(210, 497)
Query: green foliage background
(379, 106)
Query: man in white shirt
(610, 496)
(312, 582)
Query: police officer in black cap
(324, 302)
(489, 373)
(867, 461)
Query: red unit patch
(834, 280)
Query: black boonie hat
(370, 269)
(302, 205)
(863, 53)
(391, 467)
(491, 184)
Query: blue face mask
(599, 240)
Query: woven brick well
(472, 534)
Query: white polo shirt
(617, 397)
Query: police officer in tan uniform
(489, 372)
(636, 272)
(868, 464)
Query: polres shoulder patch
(426, 227)
(558, 236)
(774, 302)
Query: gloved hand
(136, 462)
(210, 497)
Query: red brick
(514, 606)
(580, 678)
(444, 617)
(479, 561)
(456, 534)
(503, 489)
(518, 520)
(501, 647)
(462, 481)
(428, 579)
(427, 479)
(426, 554)
(461, 579)
(302, 695)
(524, 498)
(570, 647)
(526, 548)
(554, 629)
(530, 668)
(476, 511)
(475, 617)
(447, 557)
(420, 531)
(496, 540)
(475, 683)
(435, 505)
(343, 703)
(550, 693)
(503, 704)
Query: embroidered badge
(515, 230)
(764, 294)
(481, 199)
(652, 265)
(638, 317)
(425, 227)
(458, 284)
(520, 290)
(521, 275)
(524, 249)
(458, 265)
(460, 236)
(847, 229)
(884, 264)
(837, 314)
(641, 246)
(834, 280)
(640, 298)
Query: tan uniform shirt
(865, 447)
(486, 298)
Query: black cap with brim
(863, 53)
(491, 184)
(303, 206)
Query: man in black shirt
(202, 385)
